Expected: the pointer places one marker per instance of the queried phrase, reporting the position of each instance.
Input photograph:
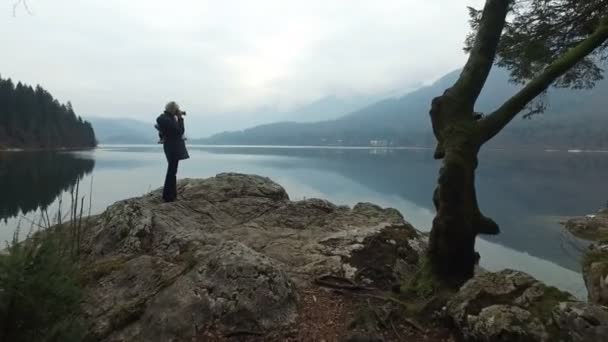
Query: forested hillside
(574, 119)
(32, 118)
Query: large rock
(512, 306)
(229, 255)
(582, 321)
(595, 272)
(595, 261)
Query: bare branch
(24, 4)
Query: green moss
(596, 235)
(594, 256)
(424, 293)
(126, 314)
(543, 307)
(424, 283)
(103, 268)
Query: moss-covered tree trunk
(458, 220)
(459, 136)
(452, 241)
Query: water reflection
(527, 193)
(33, 180)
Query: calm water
(527, 193)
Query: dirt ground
(327, 315)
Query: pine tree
(32, 118)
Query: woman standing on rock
(170, 125)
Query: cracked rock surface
(229, 254)
(512, 306)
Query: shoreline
(43, 149)
(361, 147)
(327, 147)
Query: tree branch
(25, 5)
(494, 122)
(481, 57)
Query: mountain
(575, 118)
(328, 107)
(32, 118)
(123, 131)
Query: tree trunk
(460, 134)
(452, 242)
(451, 250)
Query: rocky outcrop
(229, 255)
(234, 255)
(595, 272)
(595, 261)
(589, 227)
(512, 306)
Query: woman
(170, 125)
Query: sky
(228, 62)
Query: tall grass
(40, 291)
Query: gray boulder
(512, 306)
(236, 289)
(229, 256)
(582, 321)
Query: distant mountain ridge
(575, 118)
(123, 131)
(129, 131)
(328, 108)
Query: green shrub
(39, 290)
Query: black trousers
(170, 187)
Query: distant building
(378, 143)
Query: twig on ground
(243, 332)
(336, 282)
(410, 322)
(413, 324)
(395, 330)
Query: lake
(527, 193)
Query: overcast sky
(119, 58)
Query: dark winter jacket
(172, 133)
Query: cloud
(127, 58)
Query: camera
(183, 113)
